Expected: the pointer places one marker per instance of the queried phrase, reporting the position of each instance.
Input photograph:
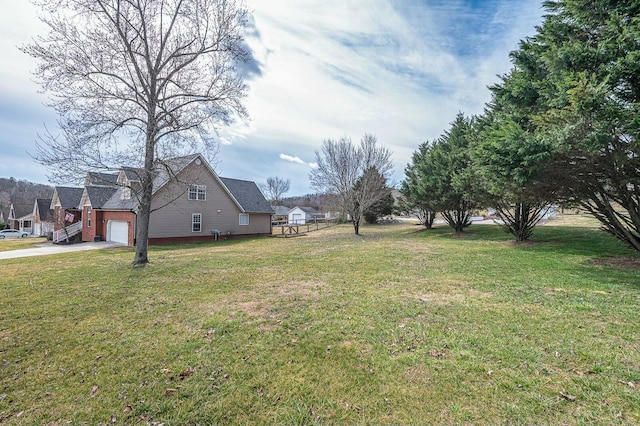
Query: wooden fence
(296, 229)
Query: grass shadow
(204, 244)
(591, 242)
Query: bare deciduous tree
(353, 173)
(275, 188)
(136, 83)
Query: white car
(13, 233)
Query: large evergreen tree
(441, 173)
(512, 160)
(416, 189)
(582, 87)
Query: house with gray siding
(190, 203)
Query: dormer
(122, 178)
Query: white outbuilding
(301, 215)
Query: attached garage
(118, 231)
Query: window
(88, 217)
(244, 219)
(196, 222)
(197, 192)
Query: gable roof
(168, 169)
(306, 209)
(244, 193)
(282, 210)
(21, 210)
(98, 195)
(68, 197)
(133, 173)
(247, 195)
(44, 209)
(122, 199)
(171, 168)
(99, 178)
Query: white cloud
(292, 159)
(298, 160)
(330, 68)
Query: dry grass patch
(575, 220)
(265, 299)
(20, 243)
(622, 262)
(454, 295)
(390, 327)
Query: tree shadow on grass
(560, 240)
(590, 242)
(471, 233)
(203, 244)
(601, 256)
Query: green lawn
(397, 326)
(8, 244)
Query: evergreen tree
(582, 92)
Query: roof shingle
(248, 195)
(69, 197)
(44, 209)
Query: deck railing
(67, 232)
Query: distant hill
(19, 191)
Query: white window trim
(88, 217)
(193, 221)
(240, 216)
(196, 191)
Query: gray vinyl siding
(174, 218)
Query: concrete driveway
(50, 248)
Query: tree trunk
(356, 226)
(144, 214)
(142, 236)
(520, 219)
(428, 218)
(144, 211)
(458, 219)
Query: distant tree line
(562, 127)
(20, 191)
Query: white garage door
(118, 231)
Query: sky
(324, 69)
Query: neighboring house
(65, 203)
(42, 217)
(301, 215)
(108, 214)
(20, 216)
(67, 214)
(189, 203)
